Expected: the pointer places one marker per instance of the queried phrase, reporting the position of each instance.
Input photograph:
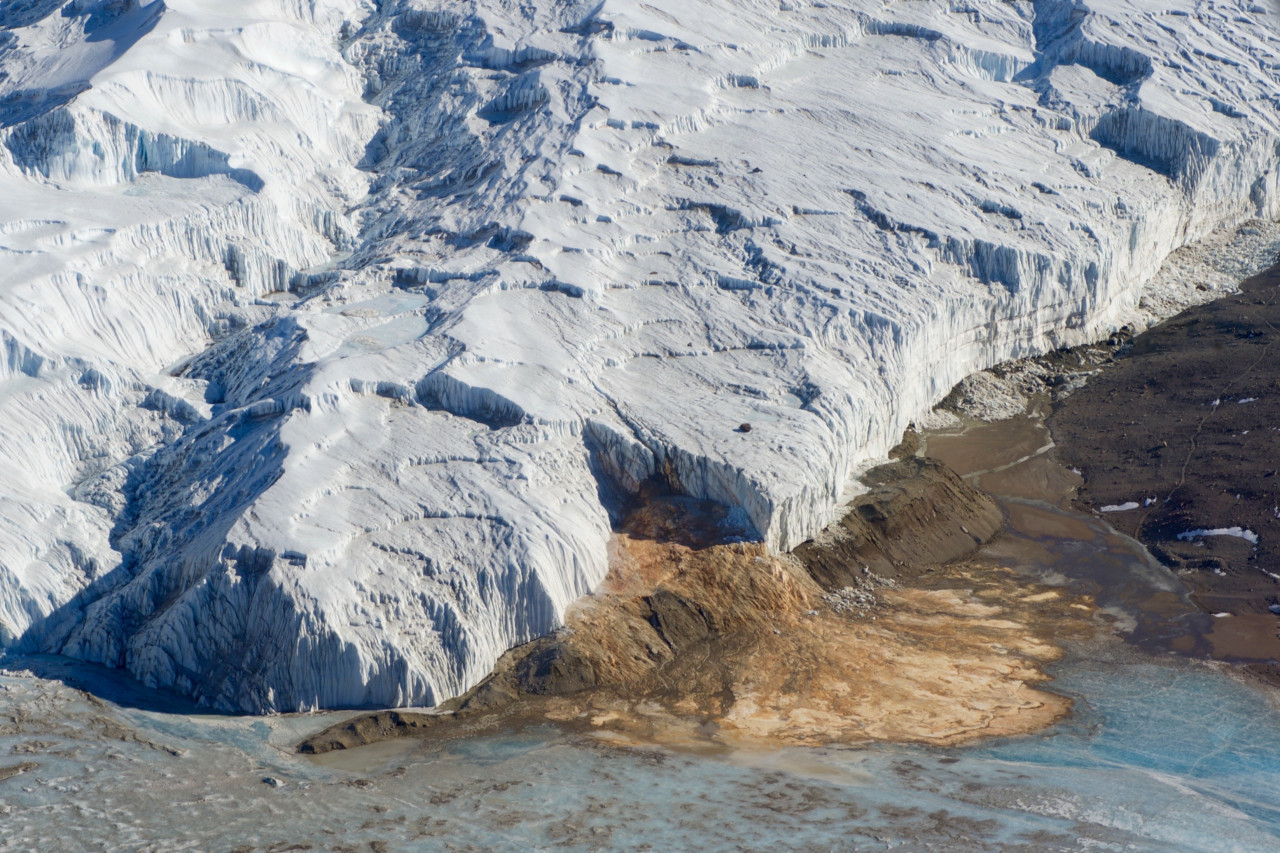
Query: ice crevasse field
(334, 332)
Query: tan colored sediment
(936, 665)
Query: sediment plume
(878, 630)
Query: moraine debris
(860, 600)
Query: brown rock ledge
(866, 633)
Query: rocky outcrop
(916, 513)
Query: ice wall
(333, 331)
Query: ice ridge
(334, 332)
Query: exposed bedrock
(337, 338)
(916, 513)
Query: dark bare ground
(1187, 425)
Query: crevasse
(337, 334)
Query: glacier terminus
(335, 330)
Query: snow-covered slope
(334, 330)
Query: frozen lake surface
(1156, 757)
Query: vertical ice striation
(332, 330)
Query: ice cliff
(334, 330)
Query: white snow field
(333, 331)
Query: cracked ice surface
(333, 332)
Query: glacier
(336, 332)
